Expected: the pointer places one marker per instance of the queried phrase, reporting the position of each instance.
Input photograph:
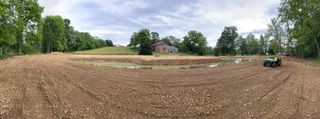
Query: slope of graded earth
(54, 86)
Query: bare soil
(55, 86)
(150, 60)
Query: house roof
(168, 47)
(161, 43)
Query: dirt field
(54, 86)
(149, 60)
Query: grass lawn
(109, 51)
(123, 51)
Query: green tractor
(272, 62)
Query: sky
(118, 19)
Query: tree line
(23, 31)
(194, 42)
(299, 25)
(295, 32)
(229, 43)
(59, 35)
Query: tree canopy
(303, 19)
(251, 45)
(226, 43)
(144, 37)
(24, 30)
(53, 34)
(19, 23)
(194, 42)
(172, 41)
(295, 31)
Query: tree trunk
(292, 51)
(302, 51)
(48, 47)
(318, 48)
(39, 48)
(19, 42)
(20, 45)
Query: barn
(163, 47)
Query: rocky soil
(56, 86)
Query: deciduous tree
(155, 37)
(7, 29)
(144, 37)
(226, 43)
(53, 34)
(304, 19)
(194, 42)
(27, 15)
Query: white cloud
(246, 15)
(175, 32)
(117, 20)
(56, 7)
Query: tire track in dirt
(11, 92)
(60, 109)
(311, 98)
(275, 97)
(241, 97)
(297, 112)
(67, 89)
(23, 100)
(106, 101)
(279, 84)
(255, 105)
(68, 82)
(91, 94)
(35, 103)
(254, 77)
(225, 81)
(194, 79)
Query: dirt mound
(53, 86)
(150, 60)
(57, 53)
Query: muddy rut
(55, 86)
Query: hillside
(122, 51)
(109, 51)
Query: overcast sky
(118, 19)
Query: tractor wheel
(264, 64)
(274, 65)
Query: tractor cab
(272, 62)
